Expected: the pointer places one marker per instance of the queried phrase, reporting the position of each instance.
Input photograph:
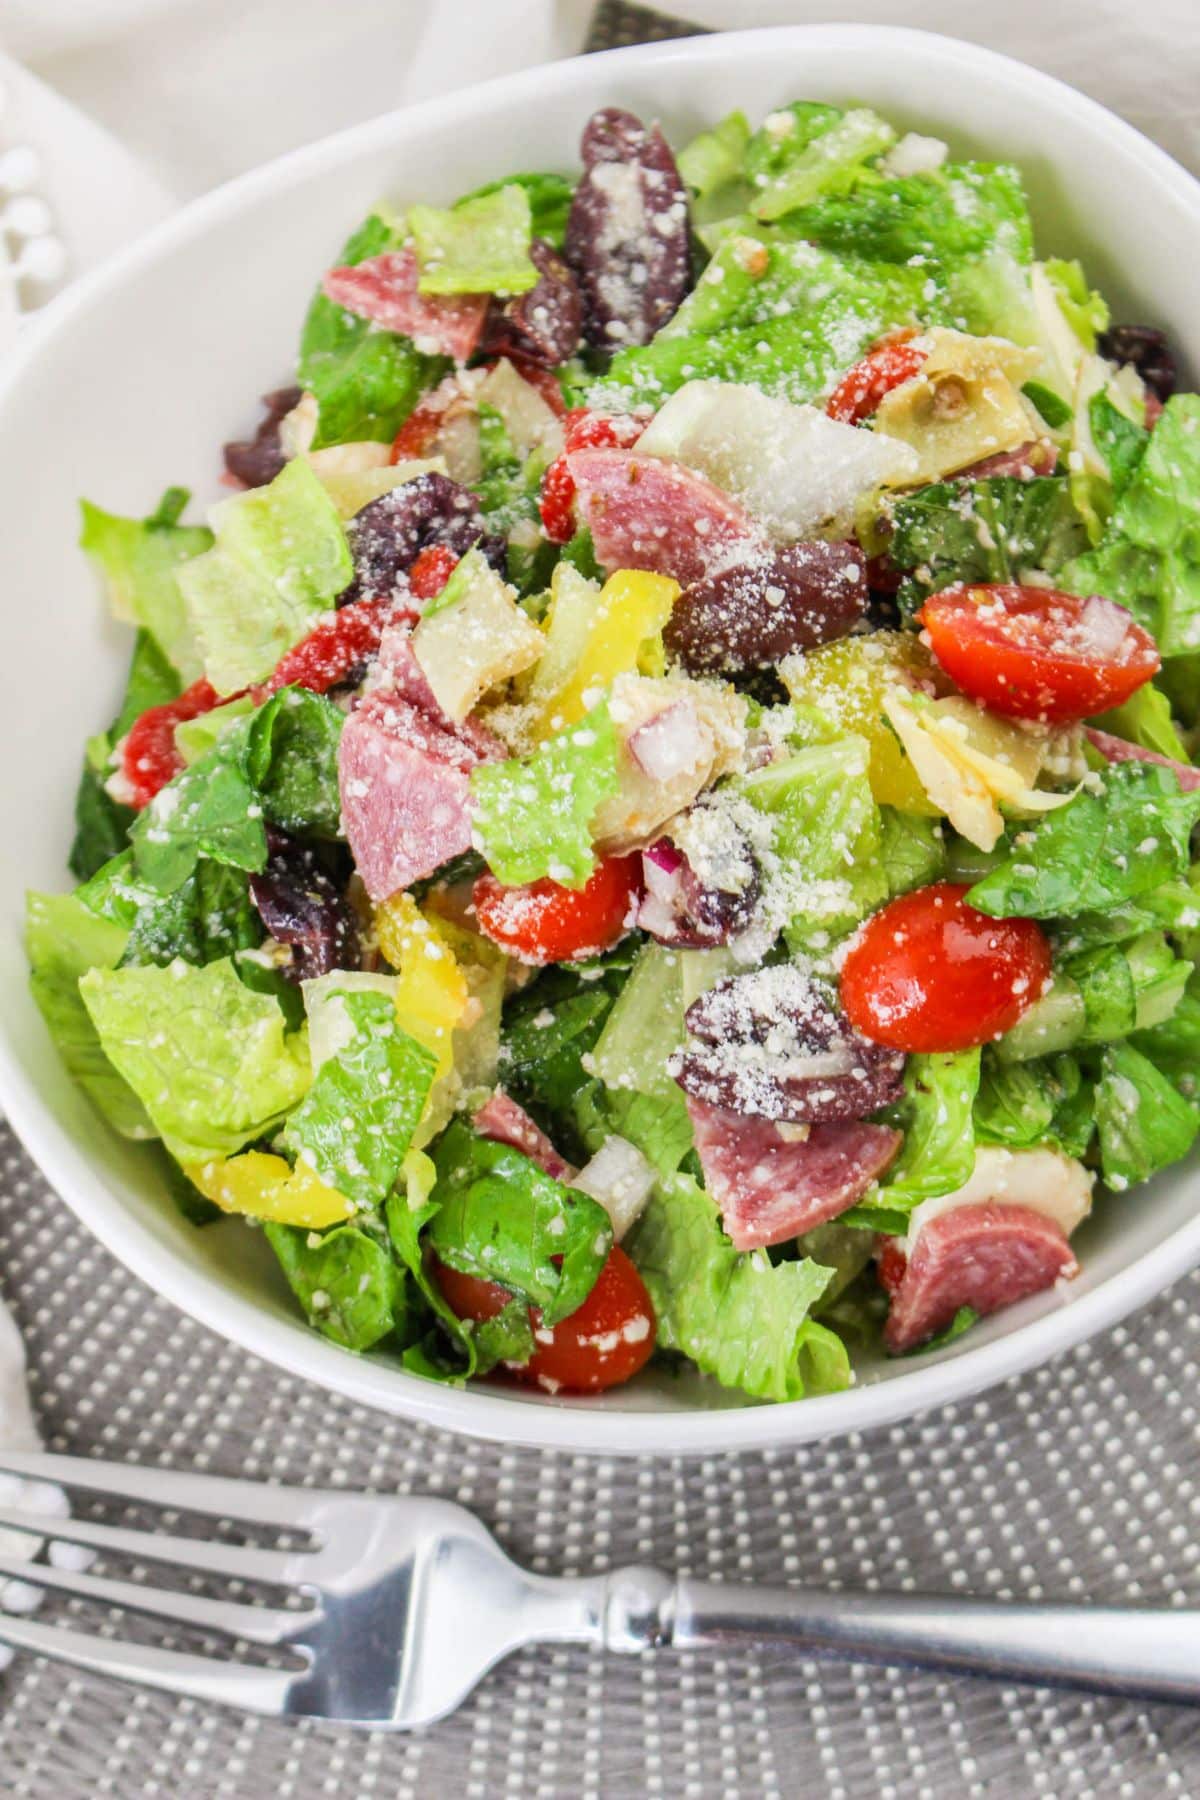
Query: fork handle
(1150, 1652)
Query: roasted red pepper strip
(431, 571)
(149, 758)
(859, 392)
(339, 645)
(582, 430)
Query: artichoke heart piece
(475, 638)
(964, 406)
(971, 763)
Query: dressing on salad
(656, 816)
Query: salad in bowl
(655, 818)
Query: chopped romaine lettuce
(350, 1287)
(209, 1060)
(912, 850)
(102, 823)
(1097, 851)
(365, 381)
(479, 246)
(1143, 1121)
(64, 938)
(938, 1154)
(1014, 1105)
(1085, 311)
(995, 529)
(822, 871)
(1146, 720)
(738, 1318)
(549, 199)
(532, 815)
(356, 1122)
(502, 1218)
(138, 560)
(809, 164)
(279, 559)
(646, 1025)
(1149, 557)
(291, 760)
(715, 158)
(211, 809)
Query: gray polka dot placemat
(1081, 1479)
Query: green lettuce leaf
(209, 917)
(351, 1289)
(209, 1060)
(356, 1122)
(715, 158)
(479, 246)
(280, 558)
(823, 873)
(1149, 557)
(1014, 1106)
(967, 223)
(544, 1044)
(1120, 442)
(291, 761)
(647, 1022)
(365, 381)
(912, 850)
(63, 940)
(1085, 311)
(1143, 1122)
(737, 1317)
(138, 560)
(211, 809)
(1097, 851)
(938, 1154)
(502, 1218)
(813, 159)
(989, 530)
(549, 199)
(1146, 720)
(657, 1124)
(102, 823)
(532, 815)
(1174, 1045)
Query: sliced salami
(1116, 750)
(771, 1186)
(507, 1122)
(985, 1257)
(405, 791)
(384, 290)
(648, 513)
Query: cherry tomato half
(601, 1344)
(1036, 653)
(859, 392)
(544, 923)
(930, 973)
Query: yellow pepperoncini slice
(624, 634)
(266, 1187)
(432, 992)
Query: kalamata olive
(772, 1045)
(1146, 349)
(543, 325)
(301, 905)
(257, 460)
(757, 611)
(679, 910)
(627, 232)
(387, 536)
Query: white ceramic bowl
(139, 373)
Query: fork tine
(250, 1689)
(280, 1567)
(253, 1501)
(255, 1624)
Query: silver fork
(405, 1604)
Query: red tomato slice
(557, 502)
(859, 392)
(544, 923)
(603, 1343)
(930, 973)
(1036, 653)
(431, 571)
(149, 758)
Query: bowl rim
(479, 1412)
